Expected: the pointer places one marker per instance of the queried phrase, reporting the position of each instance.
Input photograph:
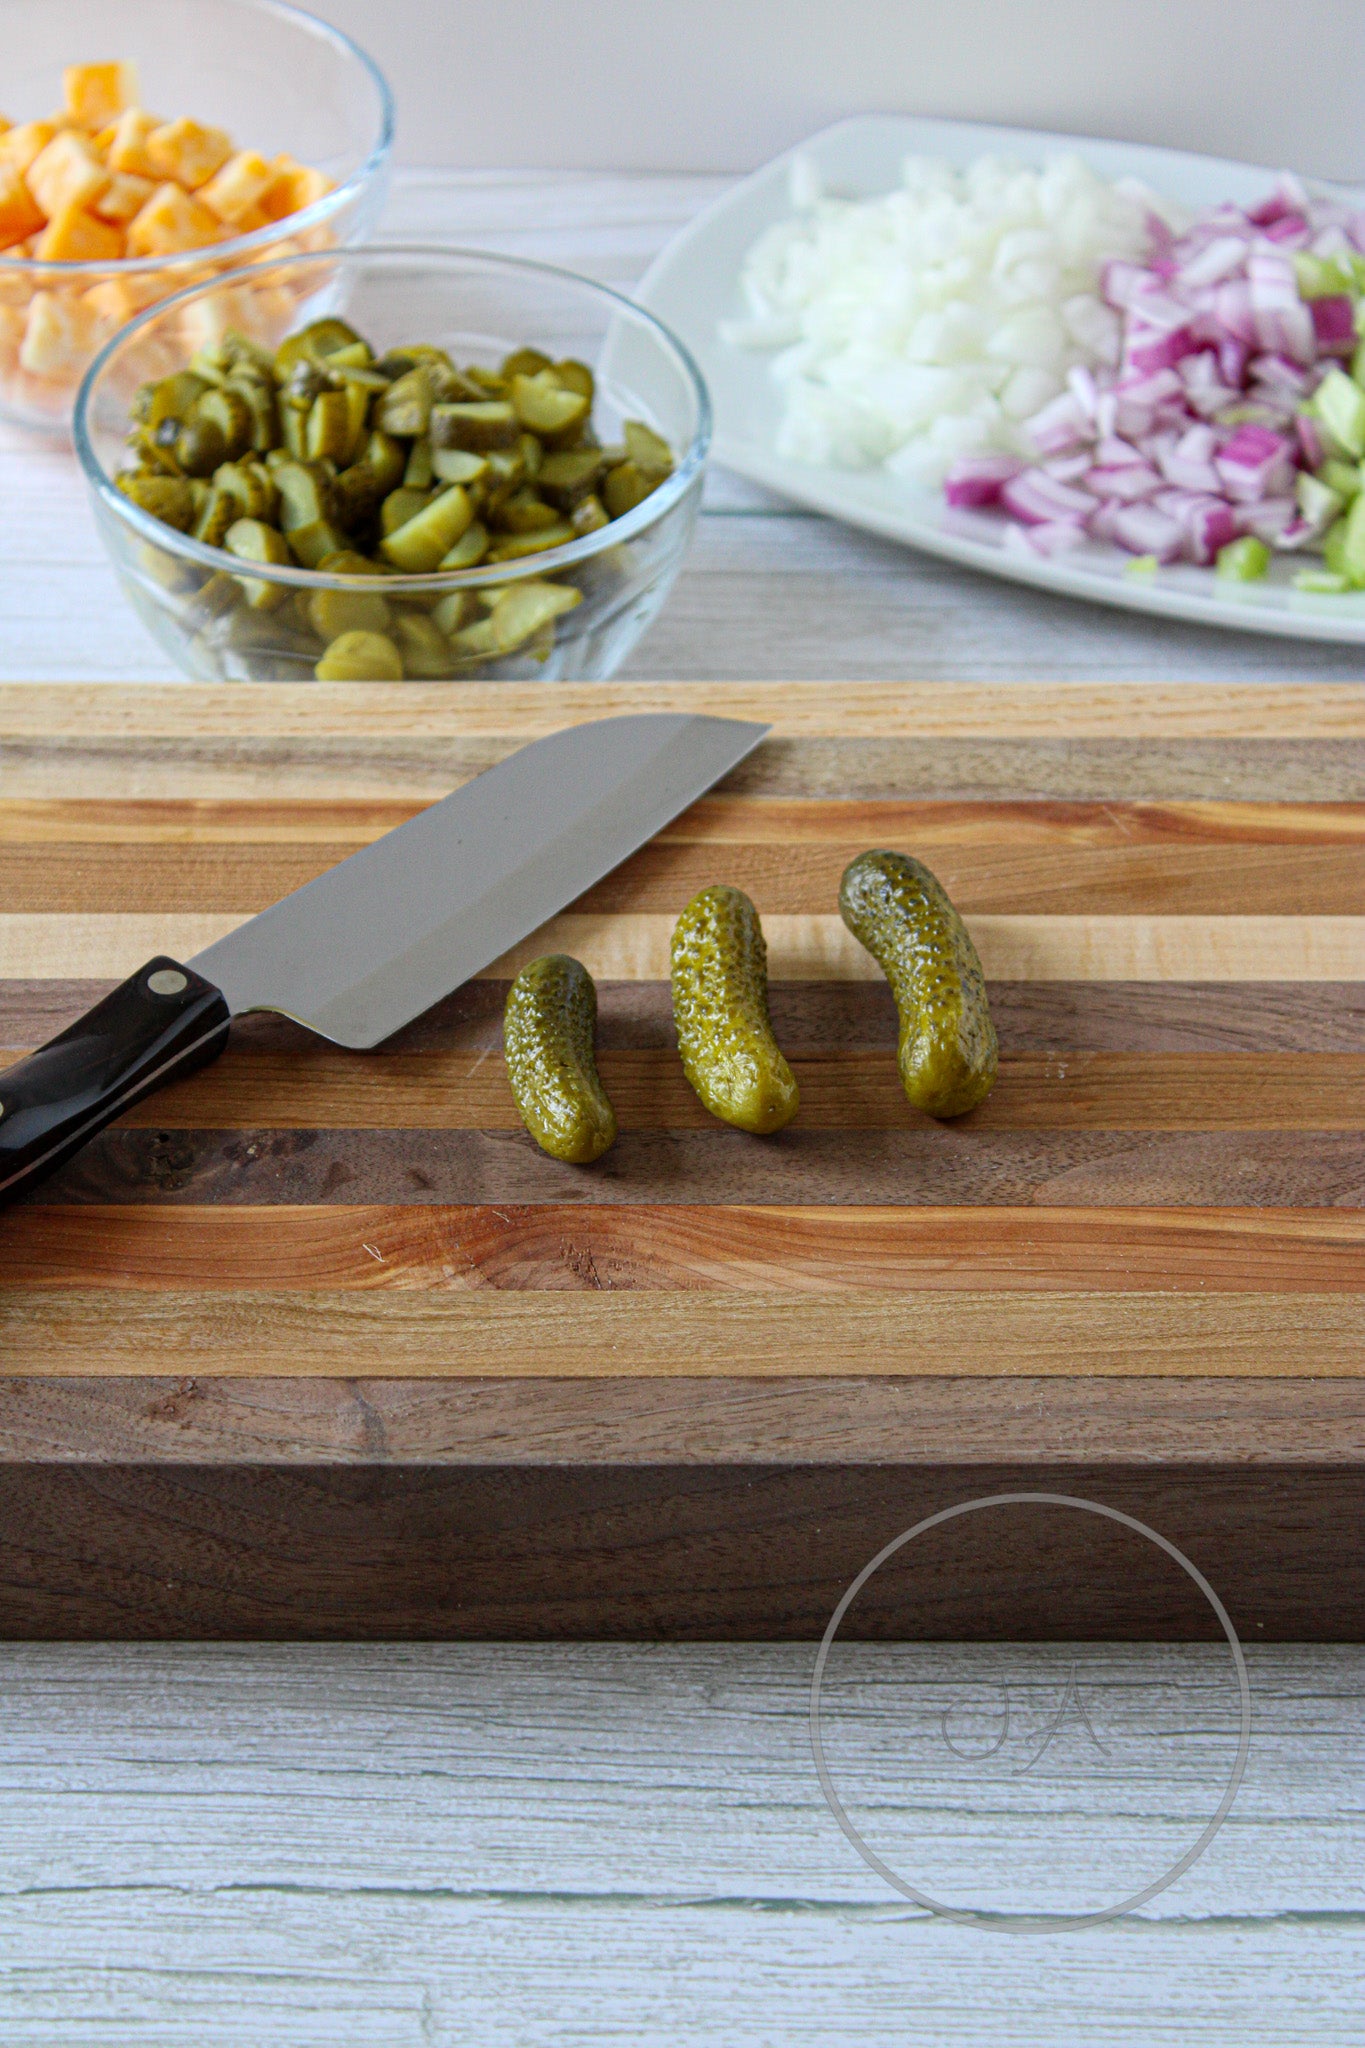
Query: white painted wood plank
(628, 1844)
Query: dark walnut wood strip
(829, 1017)
(400, 1332)
(931, 1166)
(199, 1421)
(649, 1249)
(318, 1087)
(1162, 880)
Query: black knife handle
(164, 1021)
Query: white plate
(694, 286)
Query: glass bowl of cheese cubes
(150, 145)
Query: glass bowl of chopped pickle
(394, 464)
(150, 145)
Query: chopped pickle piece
(545, 406)
(524, 362)
(469, 550)
(457, 466)
(217, 515)
(253, 541)
(399, 507)
(251, 487)
(419, 474)
(259, 400)
(330, 427)
(334, 612)
(524, 512)
(405, 407)
(520, 612)
(478, 427)
(229, 412)
(514, 545)
(626, 487)
(455, 611)
(576, 376)
(570, 476)
(305, 495)
(650, 454)
(590, 515)
(315, 540)
(168, 498)
(315, 342)
(172, 398)
(423, 646)
(419, 544)
(200, 445)
(361, 658)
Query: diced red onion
(1049, 537)
(977, 479)
(1144, 530)
(1333, 321)
(1037, 499)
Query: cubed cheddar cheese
(170, 221)
(112, 304)
(22, 144)
(96, 94)
(293, 186)
(20, 213)
(75, 236)
(234, 193)
(123, 196)
(58, 334)
(127, 149)
(66, 173)
(187, 152)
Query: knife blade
(379, 938)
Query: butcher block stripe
(417, 1333)
(572, 1249)
(634, 946)
(1167, 888)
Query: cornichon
(549, 1030)
(948, 1053)
(404, 462)
(720, 1008)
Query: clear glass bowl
(196, 600)
(275, 78)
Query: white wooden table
(603, 1844)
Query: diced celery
(1142, 565)
(1339, 403)
(1358, 364)
(1334, 549)
(1352, 563)
(1321, 581)
(1245, 560)
(1323, 277)
(1316, 498)
(1341, 477)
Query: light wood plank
(403, 1333)
(100, 945)
(1024, 710)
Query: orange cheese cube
(170, 221)
(128, 146)
(236, 191)
(293, 186)
(58, 336)
(95, 94)
(123, 196)
(22, 144)
(66, 173)
(20, 214)
(75, 236)
(111, 304)
(187, 152)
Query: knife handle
(164, 1021)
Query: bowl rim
(45, 272)
(671, 492)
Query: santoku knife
(378, 939)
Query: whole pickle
(548, 1031)
(720, 1008)
(948, 1052)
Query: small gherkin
(720, 1008)
(948, 1053)
(549, 1027)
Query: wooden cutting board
(318, 1343)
